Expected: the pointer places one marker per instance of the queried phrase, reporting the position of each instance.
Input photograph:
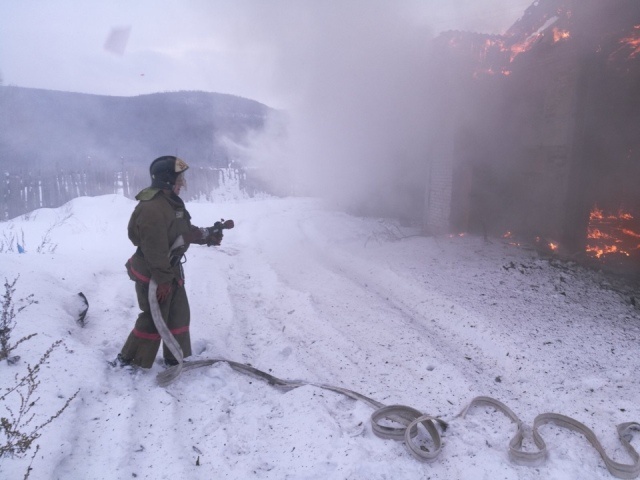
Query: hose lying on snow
(412, 420)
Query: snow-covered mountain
(45, 129)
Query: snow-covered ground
(307, 293)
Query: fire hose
(413, 421)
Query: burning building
(540, 133)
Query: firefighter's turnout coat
(156, 222)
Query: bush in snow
(8, 321)
(18, 427)
(11, 241)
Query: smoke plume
(359, 80)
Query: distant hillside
(55, 146)
(44, 129)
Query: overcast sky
(256, 49)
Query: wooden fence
(24, 191)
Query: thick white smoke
(358, 77)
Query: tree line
(25, 191)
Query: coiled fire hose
(412, 421)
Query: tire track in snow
(98, 429)
(333, 327)
(113, 410)
(425, 314)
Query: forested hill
(44, 128)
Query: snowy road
(306, 293)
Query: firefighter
(156, 222)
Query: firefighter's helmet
(167, 172)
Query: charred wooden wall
(544, 137)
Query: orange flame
(559, 34)
(600, 252)
(610, 233)
(524, 46)
(595, 214)
(630, 44)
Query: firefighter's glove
(164, 291)
(214, 236)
